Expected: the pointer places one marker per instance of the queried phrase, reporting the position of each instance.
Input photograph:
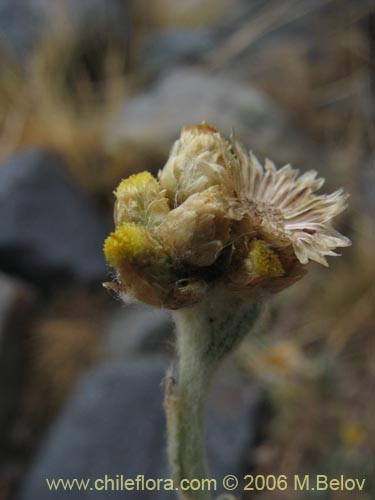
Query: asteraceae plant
(210, 238)
(217, 218)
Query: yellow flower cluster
(136, 183)
(125, 244)
(264, 260)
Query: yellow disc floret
(264, 260)
(128, 241)
(137, 182)
(141, 200)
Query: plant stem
(206, 333)
(185, 406)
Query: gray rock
(115, 425)
(235, 416)
(49, 230)
(16, 305)
(107, 20)
(186, 96)
(19, 27)
(170, 47)
(138, 329)
(92, 23)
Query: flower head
(217, 218)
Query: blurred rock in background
(163, 49)
(138, 330)
(50, 233)
(188, 96)
(115, 424)
(17, 303)
(93, 25)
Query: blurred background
(94, 90)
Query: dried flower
(216, 218)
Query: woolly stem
(206, 334)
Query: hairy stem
(206, 333)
